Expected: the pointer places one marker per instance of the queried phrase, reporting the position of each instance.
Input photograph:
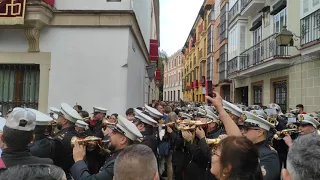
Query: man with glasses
(256, 130)
(121, 136)
(67, 118)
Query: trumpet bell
(213, 141)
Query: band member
(234, 112)
(43, 145)
(122, 135)
(256, 129)
(65, 123)
(80, 128)
(146, 124)
(99, 114)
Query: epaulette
(61, 136)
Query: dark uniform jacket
(63, 150)
(23, 157)
(97, 130)
(43, 148)
(79, 170)
(150, 140)
(269, 161)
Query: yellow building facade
(195, 63)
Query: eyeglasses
(246, 129)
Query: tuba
(281, 134)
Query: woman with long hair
(236, 158)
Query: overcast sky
(176, 20)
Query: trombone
(281, 134)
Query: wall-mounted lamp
(286, 38)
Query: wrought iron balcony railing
(234, 11)
(310, 28)
(233, 65)
(258, 53)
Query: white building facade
(261, 70)
(77, 51)
(173, 69)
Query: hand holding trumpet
(79, 152)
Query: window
(280, 94)
(233, 35)
(209, 68)
(217, 8)
(113, 0)
(308, 7)
(179, 62)
(257, 95)
(178, 95)
(164, 97)
(305, 6)
(179, 77)
(19, 84)
(210, 40)
(257, 35)
(279, 20)
(174, 95)
(174, 62)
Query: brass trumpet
(281, 134)
(214, 141)
(91, 142)
(170, 124)
(106, 123)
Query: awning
(278, 7)
(256, 24)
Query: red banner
(12, 12)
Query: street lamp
(285, 37)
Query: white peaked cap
(100, 110)
(307, 119)
(232, 108)
(130, 130)
(143, 117)
(41, 118)
(264, 124)
(81, 124)
(69, 113)
(153, 112)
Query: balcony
(310, 29)
(234, 11)
(263, 57)
(251, 7)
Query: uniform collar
(260, 143)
